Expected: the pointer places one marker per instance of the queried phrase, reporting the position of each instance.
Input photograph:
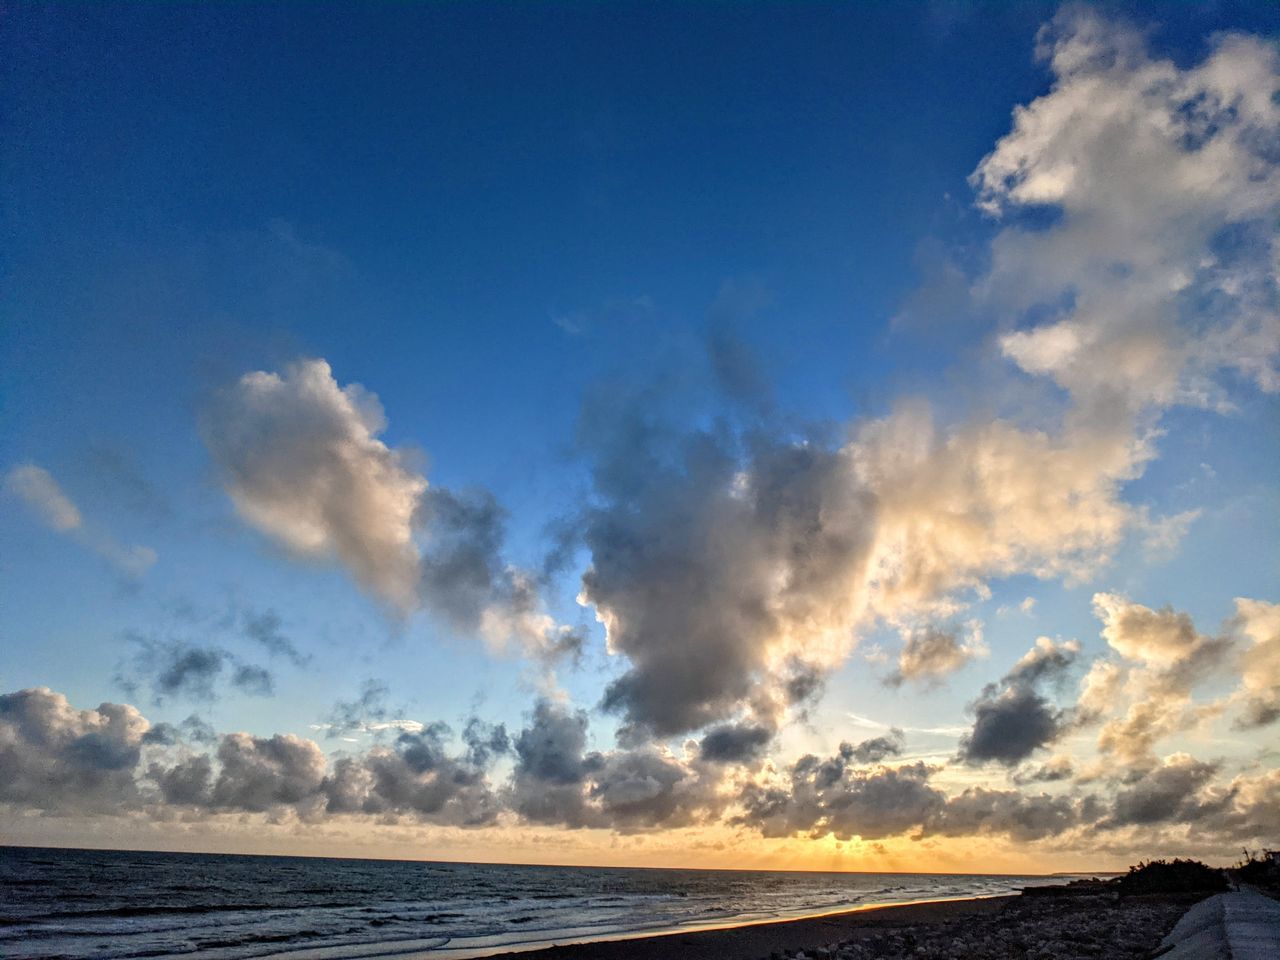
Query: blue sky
(502, 221)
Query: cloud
(1166, 184)
(466, 580)
(1259, 623)
(930, 654)
(1134, 265)
(1012, 717)
(176, 668)
(1163, 658)
(54, 757)
(302, 461)
(1021, 817)
(1169, 792)
(722, 562)
(36, 487)
(63, 761)
(731, 743)
(264, 628)
(367, 713)
(833, 796)
(416, 777)
(556, 781)
(258, 773)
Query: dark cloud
(178, 669)
(833, 797)
(1012, 717)
(253, 680)
(186, 782)
(876, 749)
(1169, 793)
(1056, 770)
(557, 782)
(484, 741)
(59, 760)
(264, 628)
(466, 580)
(1008, 812)
(259, 773)
(551, 766)
(845, 797)
(735, 743)
(842, 795)
(192, 729)
(708, 551)
(463, 567)
(551, 748)
(56, 758)
(643, 789)
(365, 713)
(418, 777)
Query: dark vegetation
(1172, 876)
(1261, 872)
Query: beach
(1047, 926)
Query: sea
(122, 904)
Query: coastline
(746, 940)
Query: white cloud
(301, 458)
(1148, 695)
(1259, 623)
(1163, 262)
(36, 486)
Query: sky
(778, 436)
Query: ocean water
(118, 904)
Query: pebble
(1046, 928)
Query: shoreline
(742, 940)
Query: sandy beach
(1041, 927)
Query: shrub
(1172, 876)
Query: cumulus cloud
(720, 562)
(556, 781)
(1170, 792)
(1163, 657)
(259, 773)
(716, 556)
(1167, 184)
(302, 460)
(1259, 623)
(1012, 717)
(712, 579)
(417, 777)
(930, 653)
(1019, 816)
(466, 580)
(840, 796)
(55, 757)
(36, 487)
(735, 743)
(60, 760)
